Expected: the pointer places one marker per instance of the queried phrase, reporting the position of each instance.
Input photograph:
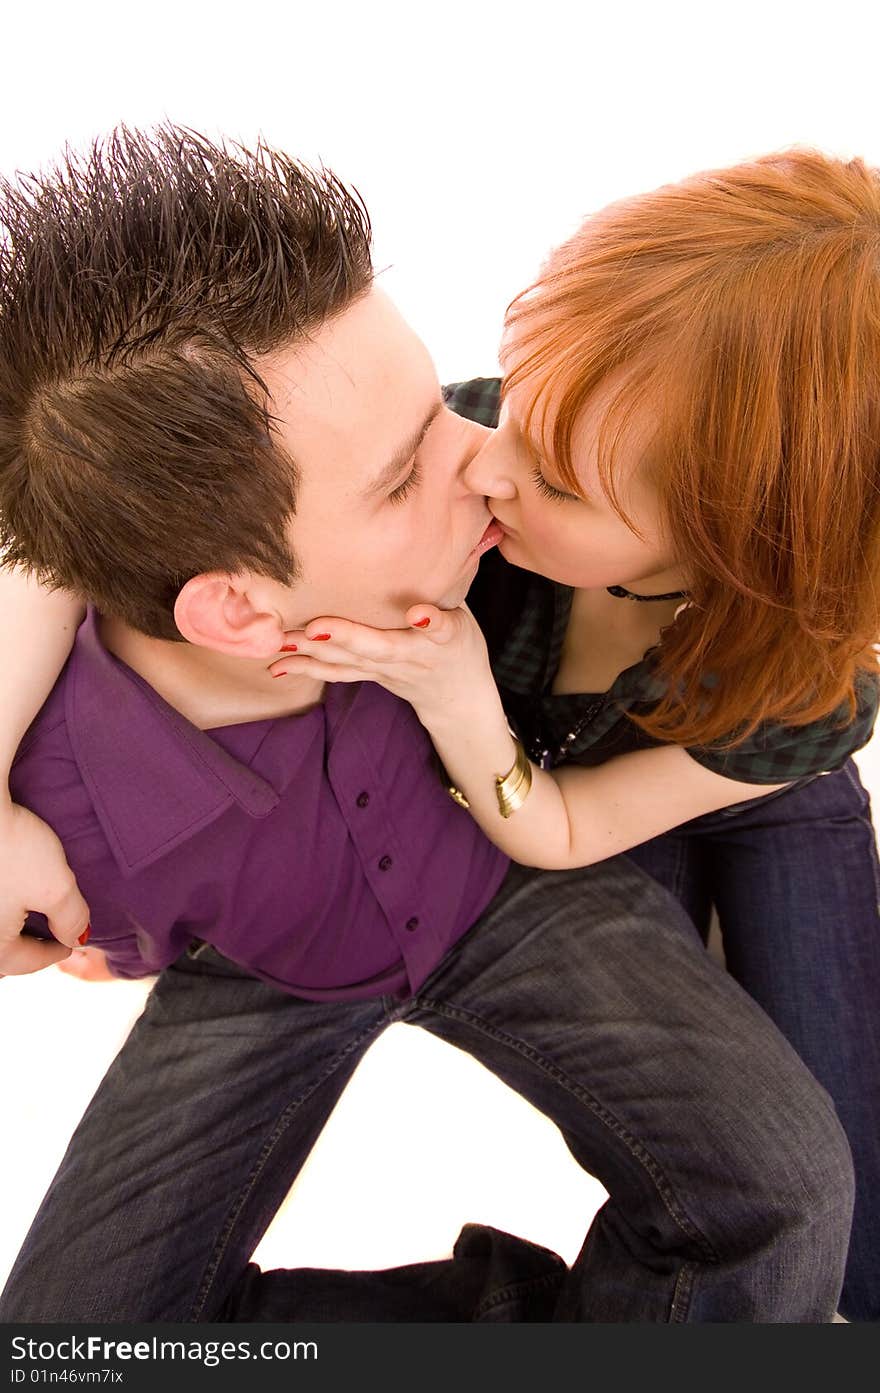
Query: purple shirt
(321, 852)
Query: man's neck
(210, 689)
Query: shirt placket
(358, 790)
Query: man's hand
(35, 876)
(89, 965)
(439, 664)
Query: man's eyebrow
(382, 482)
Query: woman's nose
(486, 474)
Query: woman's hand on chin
(438, 663)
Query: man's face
(383, 519)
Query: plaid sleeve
(775, 754)
(478, 399)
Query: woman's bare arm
(37, 629)
(572, 816)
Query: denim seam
(664, 1189)
(275, 1136)
(682, 1293)
(865, 817)
(517, 1289)
(678, 874)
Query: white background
(479, 134)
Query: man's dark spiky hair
(138, 282)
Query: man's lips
(490, 538)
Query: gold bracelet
(457, 796)
(513, 789)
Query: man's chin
(396, 618)
(458, 594)
(455, 597)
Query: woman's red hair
(745, 305)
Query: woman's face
(581, 542)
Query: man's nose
(486, 474)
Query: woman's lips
(490, 538)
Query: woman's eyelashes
(412, 481)
(547, 490)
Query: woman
(685, 478)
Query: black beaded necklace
(619, 593)
(548, 758)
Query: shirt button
(413, 923)
(386, 863)
(362, 800)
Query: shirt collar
(153, 777)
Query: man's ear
(215, 610)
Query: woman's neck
(672, 581)
(605, 635)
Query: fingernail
(84, 936)
(421, 624)
(319, 638)
(280, 674)
(289, 648)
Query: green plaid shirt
(525, 616)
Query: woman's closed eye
(547, 490)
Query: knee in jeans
(834, 1176)
(810, 1179)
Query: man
(215, 427)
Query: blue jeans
(588, 992)
(796, 883)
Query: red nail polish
(84, 936)
(319, 638)
(280, 674)
(289, 648)
(421, 624)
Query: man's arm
(37, 629)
